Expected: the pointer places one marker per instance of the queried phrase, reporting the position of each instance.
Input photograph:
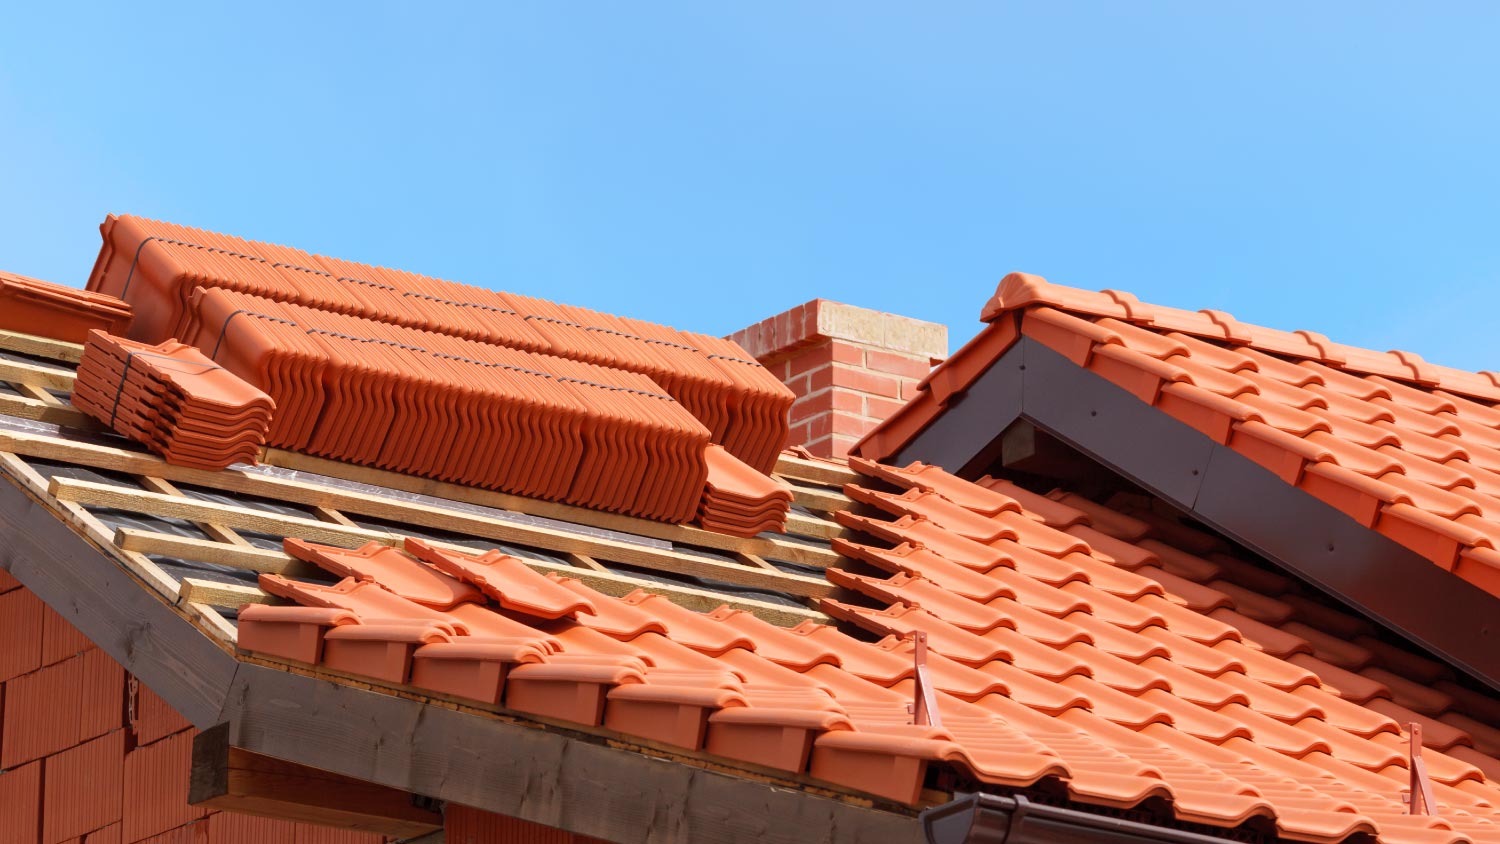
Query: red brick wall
(850, 367)
(89, 757)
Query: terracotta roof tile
(52, 310)
(160, 266)
(1121, 685)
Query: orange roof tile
(1405, 447)
(52, 310)
(1096, 669)
(158, 267)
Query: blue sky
(1323, 166)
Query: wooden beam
(17, 372)
(682, 534)
(236, 780)
(24, 407)
(596, 577)
(433, 515)
(209, 551)
(552, 776)
(820, 472)
(41, 347)
(194, 590)
(214, 530)
(819, 498)
(108, 495)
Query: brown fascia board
(540, 775)
(1221, 488)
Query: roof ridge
(1024, 291)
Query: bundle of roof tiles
(158, 266)
(457, 409)
(740, 501)
(53, 310)
(1122, 658)
(174, 400)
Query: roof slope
(1404, 447)
(1070, 643)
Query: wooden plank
(328, 514)
(42, 347)
(78, 578)
(17, 372)
(212, 622)
(156, 504)
(601, 579)
(215, 531)
(820, 499)
(214, 594)
(811, 527)
(546, 776)
(683, 534)
(821, 472)
(23, 407)
(311, 494)
(209, 551)
(236, 780)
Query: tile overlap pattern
(1109, 652)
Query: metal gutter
(991, 819)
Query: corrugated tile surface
(108, 835)
(156, 787)
(35, 725)
(21, 804)
(83, 788)
(233, 828)
(1404, 447)
(158, 266)
(1071, 641)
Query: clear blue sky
(1323, 166)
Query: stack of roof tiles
(52, 310)
(740, 501)
(456, 409)
(158, 266)
(174, 400)
(1405, 447)
(1122, 657)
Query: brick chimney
(850, 367)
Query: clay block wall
(463, 825)
(849, 367)
(89, 756)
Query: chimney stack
(850, 367)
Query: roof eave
(542, 776)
